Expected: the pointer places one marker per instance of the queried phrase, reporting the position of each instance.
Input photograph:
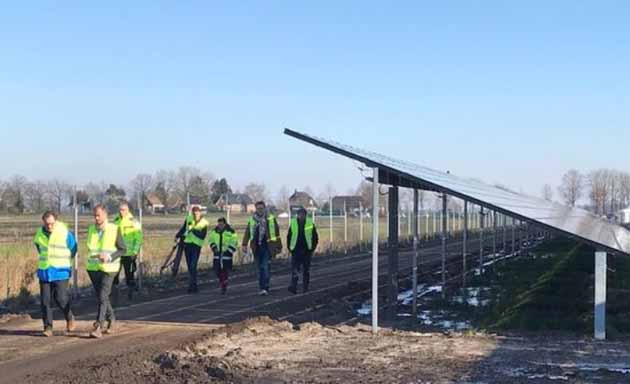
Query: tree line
(602, 191)
(20, 195)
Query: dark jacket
(301, 246)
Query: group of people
(112, 246)
(262, 237)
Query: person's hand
(244, 249)
(103, 257)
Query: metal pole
(345, 226)
(444, 232)
(600, 295)
(464, 243)
(375, 236)
(360, 222)
(513, 236)
(503, 225)
(481, 226)
(141, 252)
(75, 266)
(408, 221)
(494, 235)
(392, 245)
(426, 232)
(227, 206)
(414, 261)
(330, 214)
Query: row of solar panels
(552, 216)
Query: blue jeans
(192, 252)
(263, 257)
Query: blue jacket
(57, 274)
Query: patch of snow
(365, 310)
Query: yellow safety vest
(228, 243)
(53, 250)
(271, 220)
(308, 233)
(131, 231)
(190, 226)
(105, 243)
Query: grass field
(18, 258)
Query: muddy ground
(263, 350)
(319, 337)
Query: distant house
(154, 204)
(302, 199)
(236, 203)
(352, 204)
(194, 202)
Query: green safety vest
(223, 242)
(271, 219)
(53, 250)
(131, 231)
(308, 233)
(190, 237)
(105, 243)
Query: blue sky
(509, 92)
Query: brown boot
(70, 325)
(96, 331)
(48, 332)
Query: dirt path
(152, 326)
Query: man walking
(223, 242)
(105, 246)
(302, 239)
(262, 235)
(131, 231)
(194, 232)
(56, 247)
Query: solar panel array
(571, 221)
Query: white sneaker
(263, 293)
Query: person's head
(301, 214)
(260, 207)
(221, 223)
(123, 208)
(49, 218)
(196, 211)
(100, 214)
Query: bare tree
(14, 194)
(165, 185)
(96, 192)
(3, 187)
(58, 191)
(188, 178)
(625, 190)
(282, 197)
(599, 191)
(547, 192)
(572, 187)
(258, 192)
(141, 184)
(35, 193)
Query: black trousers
(102, 283)
(130, 267)
(58, 292)
(300, 264)
(192, 252)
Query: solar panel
(553, 216)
